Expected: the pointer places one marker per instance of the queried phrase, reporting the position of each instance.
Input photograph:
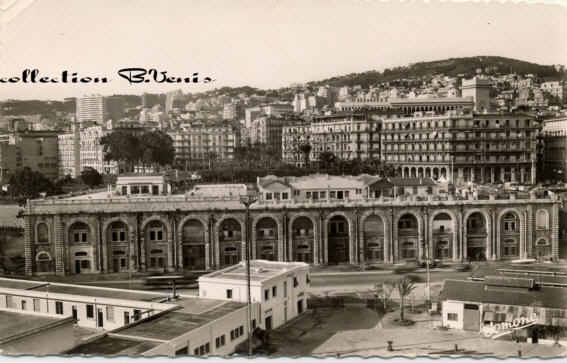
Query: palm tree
(405, 287)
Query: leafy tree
(327, 159)
(305, 150)
(121, 146)
(405, 287)
(91, 177)
(28, 184)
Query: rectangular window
(241, 330)
(285, 196)
(285, 289)
(295, 282)
(196, 351)
(253, 324)
(229, 293)
(36, 306)
(122, 236)
(232, 336)
(268, 196)
(110, 313)
(266, 295)
(274, 291)
(90, 311)
(24, 304)
(308, 195)
(452, 317)
(59, 308)
(322, 195)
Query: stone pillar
(522, 175)
(492, 175)
(457, 226)
(523, 233)
(142, 250)
(207, 245)
(530, 232)
(352, 238)
(28, 245)
(102, 246)
(170, 252)
(60, 253)
(132, 249)
(179, 245)
(482, 175)
(387, 241)
(472, 174)
(533, 174)
(281, 239)
(555, 231)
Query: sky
(260, 43)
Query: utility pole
(247, 200)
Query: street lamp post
(247, 200)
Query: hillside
(450, 67)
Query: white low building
(279, 289)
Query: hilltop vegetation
(450, 67)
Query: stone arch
(158, 253)
(193, 254)
(43, 253)
(469, 242)
(270, 247)
(43, 265)
(38, 224)
(385, 248)
(313, 251)
(161, 219)
(398, 253)
(439, 237)
(71, 222)
(505, 249)
(230, 253)
(118, 252)
(542, 219)
(108, 222)
(347, 245)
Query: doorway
(100, 318)
(77, 267)
(74, 312)
(471, 317)
(299, 307)
(268, 323)
(126, 318)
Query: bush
(415, 278)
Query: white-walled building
(279, 289)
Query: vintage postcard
(283, 178)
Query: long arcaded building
(318, 219)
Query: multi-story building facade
(37, 150)
(91, 108)
(347, 135)
(8, 161)
(267, 130)
(113, 232)
(555, 88)
(293, 137)
(203, 142)
(82, 149)
(554, 158)
(463, 146)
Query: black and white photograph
(283, 178)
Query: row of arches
(338, 240)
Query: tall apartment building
(203, 142)
(479, 89)
(81, 149)
(554, 161)
(36, 150)
(293, 137)
(347, 135)
(463, 146)
(267, 130)
(91, 108)
(233, 111)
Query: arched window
(42, 233)
(43, 256)
(542, 219)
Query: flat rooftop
(13, 324)
(260, 270)
(168, 326)
(112, 346)
(102, 293)
(19, 284)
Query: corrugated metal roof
(477, 291)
